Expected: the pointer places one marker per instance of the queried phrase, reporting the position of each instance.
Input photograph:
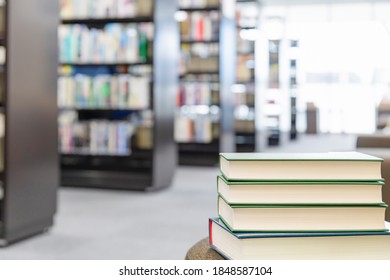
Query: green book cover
(292, 183)
(300, 205)
(245, 235)
(230, 214)
(345, 245)
(331, 156)
(300, 192)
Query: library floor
(102, 224)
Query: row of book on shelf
(198, 129)
(122, 91)
(198, 3)
(195, 64)
(114, 43)
(247, 14)
(300, 206)
(104, 137)
(245, 68)
(197, 93)
(96, 137)
(81, 9)
(199, 49)
(244, 94)
(200, 26)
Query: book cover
(296, 192)
(334, 166)
(298, 245)
(304, 217)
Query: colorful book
(335, 166)
(295, 192)
(299, 246)
(300, 218)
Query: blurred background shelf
(120, 133)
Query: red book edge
(210, 232)
(200, 28)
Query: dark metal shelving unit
(212, 41)
(142, 170)
(106, 64)
(30, 175)
(98, 21)
(207, 154)
(201, 9)
(247, 141)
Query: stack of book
(300, 206)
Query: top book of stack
(333, 166)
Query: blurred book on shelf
(196, 93)
(198, 3)
(121, 91)
(197, 128)
(103, 136)
(114, 43)
(83, 9)
(144, 137)
(245, 68)
(200, 26)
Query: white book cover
(84, 44)
(112, 139)
(74, 43)
(132, 48)
(122, 90)
(70, 92)
(113, 9)
(207, 29)
(114, 90)
(205, 94)
(86, 90)
(93, 143)
(66, 9)
(195, 17)
(61, 91)
(182, 129)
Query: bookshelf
(277, 105)
(116, 93)
(382, 115)
(274, 106)
(293, 60)
(29, 159)
(204, 116)
(245, 86)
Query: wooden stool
(202, 251)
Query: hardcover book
(295, 192)
(334, 166)
(299, 246)
(304, 217)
